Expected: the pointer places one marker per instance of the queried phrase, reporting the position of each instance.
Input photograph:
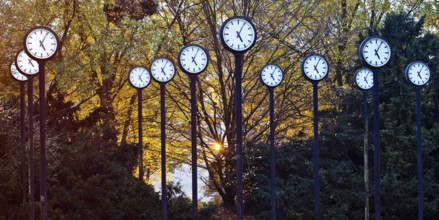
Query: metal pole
(43, 162)
(163, 143)
(376, 141)
(366, 157)
(30, 99)
(272, 156)
(139, 115)
(316, 153)
(419, 154)
(23, 140)
(238, 108)
(194, 147)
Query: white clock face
(271, 75)
(315, 67)
(41, 43)
(193, 59)
(375, 52)
(364, 78)
(17, 75)
(238, 34)
(418, 73)
(162, 70)
(25, 64)
(139, 77)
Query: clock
(271, 75)
(16, 74)
(364, 78)
(417, 73)
(193, 59)
(315, 67)
(139, 77)
(41, 43)
(162, 70)
(25, 64)
(238, 34)
(375, 52)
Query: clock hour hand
(42, 45)
(163, 71)
(376, 53)
(365, 79)
(140, 78)
(193, 60)
(30, 62)
(239, 36)
(315, 68)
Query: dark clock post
(238, 35)
(364, 81)
(271, 76)
(139, 78)
(418, 74)
(41, 43)
(193, 60)
(375, 53)
(315, 68)
(22, 81)
(163, 71)
(29, 67)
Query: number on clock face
(364, 78)
(41, 43)
(139, 77)
(375, 52)
(17, 75)
(193, 59)
(25, 64)
(418, 73)
(271, 75)
(315, 67)
(238, 34)
(162, 70)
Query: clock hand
(376, 50)
(42, 45)
(163, 71)
(140, 78)
(365, 79)
(315, 66)
(41, 41)
(239, 36)
(193, 60)
(419, 73)
(30, 62)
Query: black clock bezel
(181, 66)
(30, 54)
(223, 41)
(271, 64)
(302, 67)
(407, 71)
(18, 68)
(363, 60)
(14, 65)
(152, 76)
(355, 78)
(129, 74)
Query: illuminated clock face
(139, 77)
(238, 34)
(16, 74)
(364, 78)
(193, 59)
(25, 64)
(315, 67)
(162, 70)
(41, 43)
(375, 52)
(271, 75)
(418, 73)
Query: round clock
(315, 67)
(41, 43)
(162, 70)
(193, 59)
(364, 78)
(16, 74)
(139, 77)
(25, 64)
(238, 34)
(375, 52)
(271, 75)
(417, 73)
